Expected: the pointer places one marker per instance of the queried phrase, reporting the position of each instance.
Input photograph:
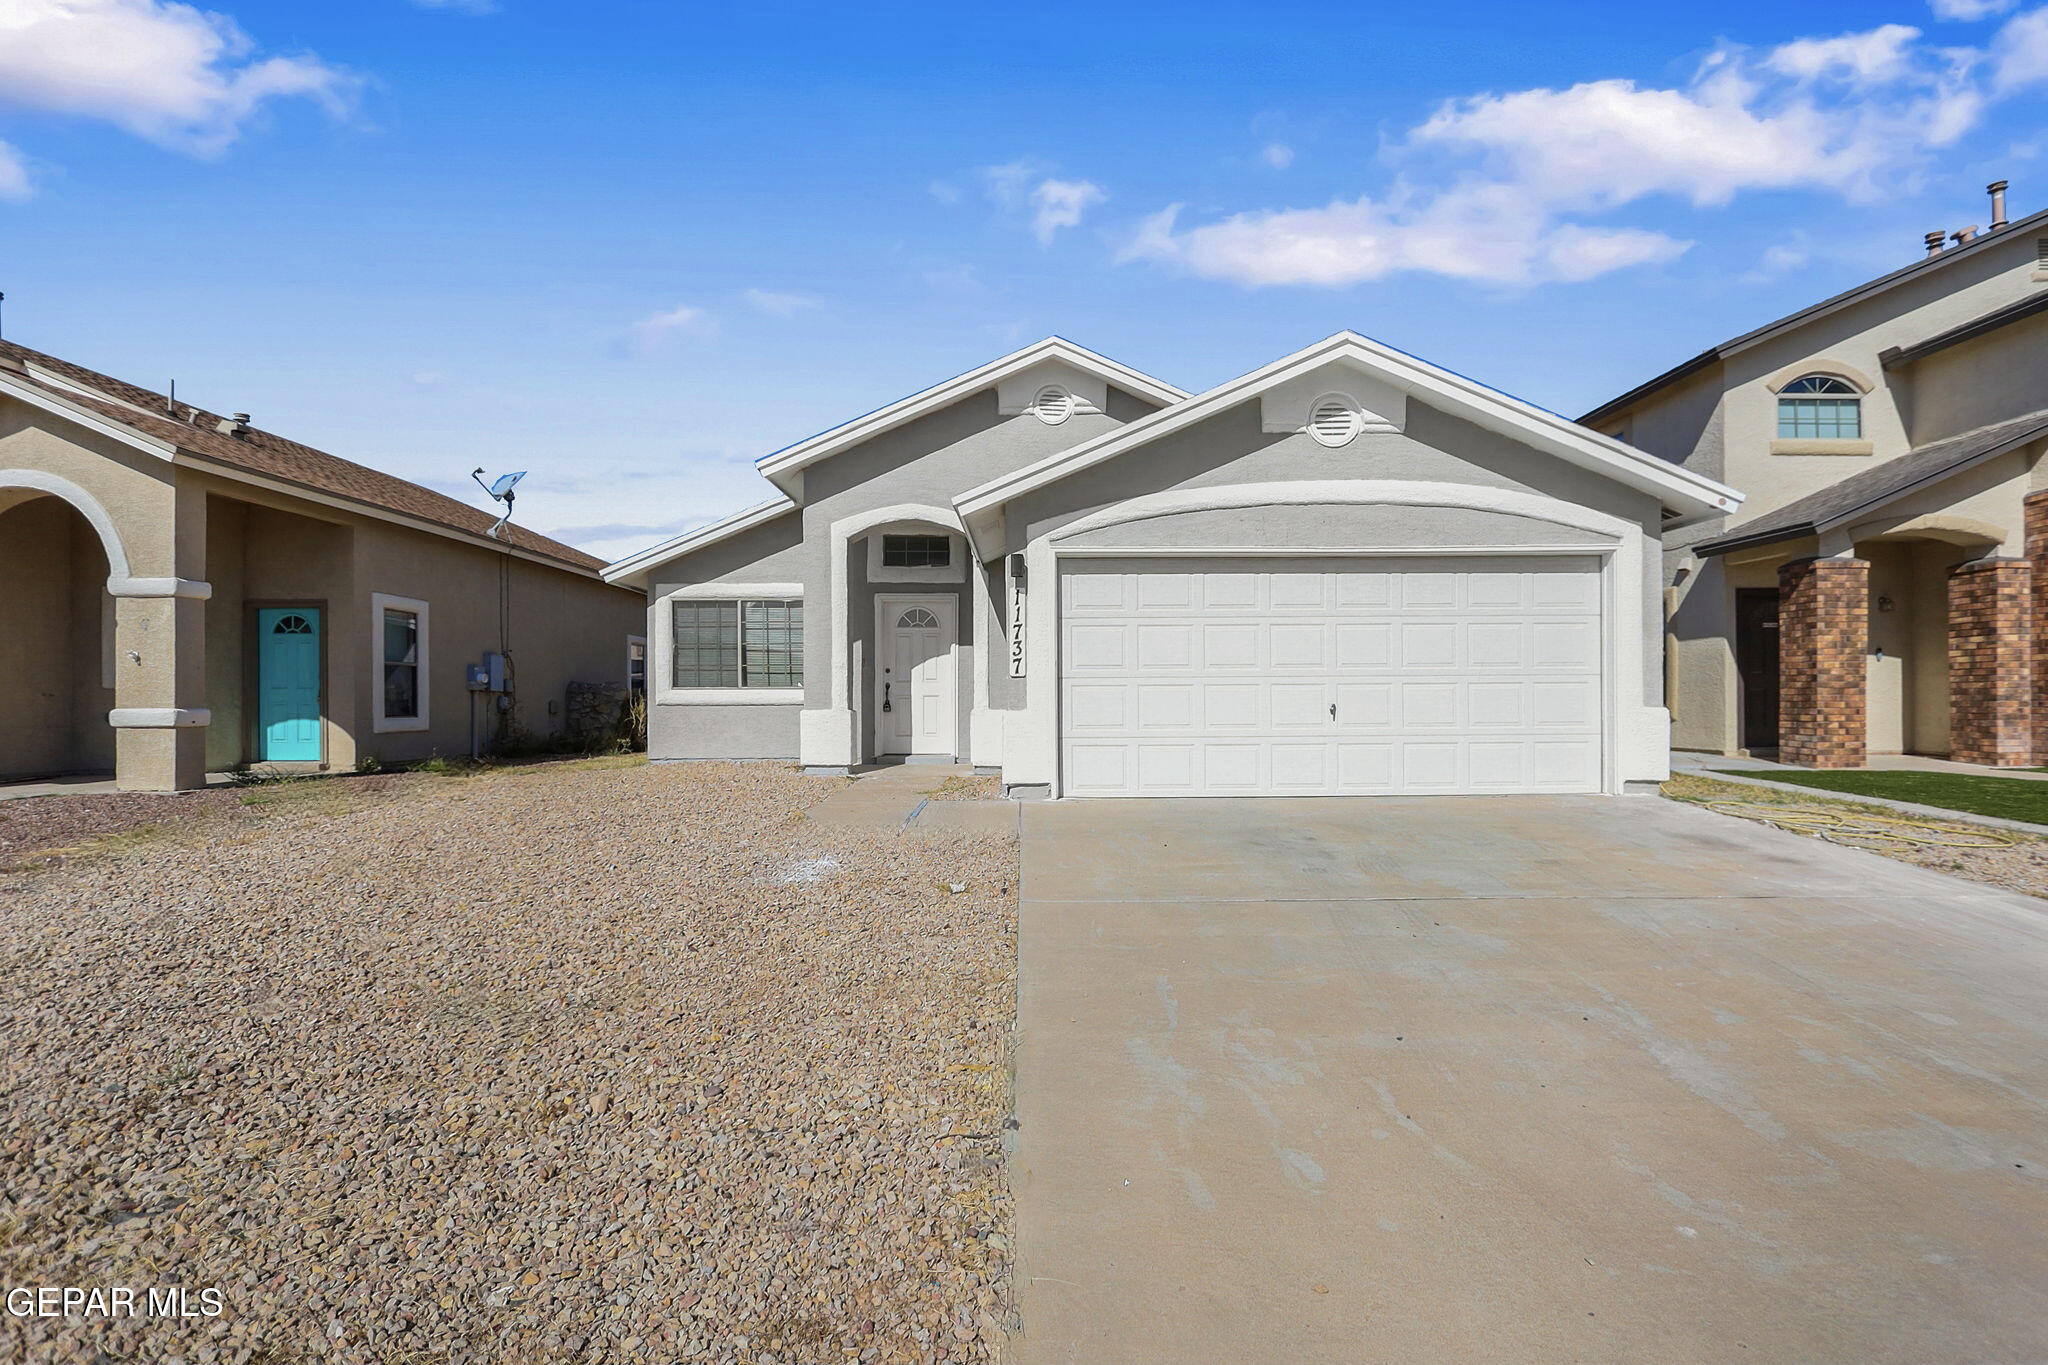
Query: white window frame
(661, 688)
(953, 571)
(379, 722)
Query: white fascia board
(691, 541)
(783, 463)
(36, 396)
(1694, 496)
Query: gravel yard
(581, 1061)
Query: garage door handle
(1333, 710)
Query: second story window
(1819, 407)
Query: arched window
(1819, 407)
(917, 618)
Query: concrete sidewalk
(897, 797)
(1519, 1080)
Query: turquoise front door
(288, 684)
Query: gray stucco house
(1348, 572)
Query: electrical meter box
(479, 678)
(494, 669)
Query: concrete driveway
(1519, 1079)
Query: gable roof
(1692, 496)
(256, 455)
(1868, 289)
(1866, 491)
(689, 542)
(780, 466)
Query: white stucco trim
(1636, 744)
(190, 588)
(159, 717)
(842, 533)
(731, 696)
(1324, 551)
(954, 570)
(379, 722)
(1834, 369)
(984, 726)
(661, 690)
(731, 592)
(86, 505)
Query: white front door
(1368, 677)
(916, 689)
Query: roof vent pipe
(237, 425)
(1996, 189)
(1963, 235)
(1934, 240)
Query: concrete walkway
(1519, 1080)
(898, 797)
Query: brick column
(1990, 662)
(2037, 556)
(1823, 640)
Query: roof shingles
(272, 456)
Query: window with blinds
(747, 643)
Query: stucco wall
(1981, 381)
(701, 731)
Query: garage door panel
(1230, 646)
(1375, 680)
(1232, 706)
(1299, 645)
(1095, 648)
(1299, 706)
(1364, 645)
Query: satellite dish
(501, 490)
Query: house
(1876, 593)
(1347, 572)
(183, 592)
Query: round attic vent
(1053, 405)
(1334, 419)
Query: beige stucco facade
(132, 576)
(1720, 418)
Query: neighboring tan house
(1349, 572)
(182, 592)
(1875, 593)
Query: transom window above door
(1820, 407)
(916, 551)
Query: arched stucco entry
(141, 639)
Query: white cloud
(180, 77)
(2019, 54)
(1882, 54)
(1278, 155)
(1025, 186)
(1499, 186)
(14, 178)
(1059, 204)
(1966, 11)
(650, 332)
(779, 305)
(1778, 261)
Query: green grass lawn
(2007, 798)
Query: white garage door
(1358, 677)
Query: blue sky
(632, 247)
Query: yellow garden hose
(1857, 830)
